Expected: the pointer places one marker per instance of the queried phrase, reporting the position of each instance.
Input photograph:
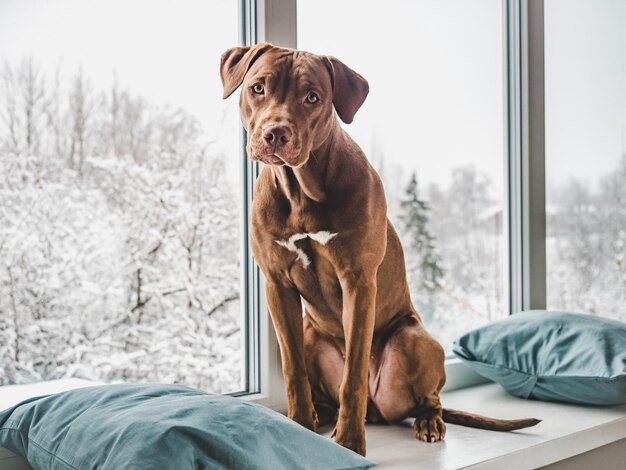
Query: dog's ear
(349, 89)
(236, 62)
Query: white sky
(435, 69)
(585, 87)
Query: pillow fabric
(152, 426)
(553, 356)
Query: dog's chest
(312, 272)
(296, 245)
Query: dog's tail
(471, 420)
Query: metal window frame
(262, 21)
(249, 272)
(275, 21)
(525, 167)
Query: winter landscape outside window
(120, 193)
(121, 174)
(586, 156)
(433, 127)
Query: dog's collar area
(322, 237)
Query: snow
(119, 244)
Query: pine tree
(414, 216)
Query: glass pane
(585, 46)
(435, 112)
(119, 193)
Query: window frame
(275, 21)
(525, 162)
(261, 21)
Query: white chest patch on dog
(320, 237)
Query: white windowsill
(566, 431)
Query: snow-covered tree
(23, 99)
(119, 252)
(586, 244)
(423, 259)
(81, 106)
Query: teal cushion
(553, 356)
(162, 427)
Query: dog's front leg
(359, 297)
(286, 312)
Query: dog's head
(288, 98)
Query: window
(124, 190)
(433, 127)
(586, 156)
(120, 194)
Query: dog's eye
(259, 89)
(312, 98)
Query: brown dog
(320, 234)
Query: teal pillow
(162, 427)
(553, 356)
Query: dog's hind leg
(407, 382)
(409, 378)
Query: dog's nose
(277, 135)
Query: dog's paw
(353, 440)
(429, 427)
